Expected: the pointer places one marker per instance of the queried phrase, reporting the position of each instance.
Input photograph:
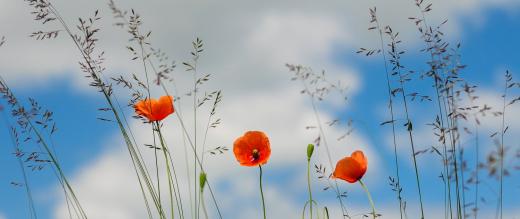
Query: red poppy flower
(155, 110)
(351, 169)
(252, 149)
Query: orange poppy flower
(252, 149)
(155, 110)
(351, 169)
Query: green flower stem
(369, 198)
(261, 190)
(309, 184)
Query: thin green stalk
(157, 176)
(262, 191)
(309, 185)
(369, 199)
(169, 161)
(195, 141)
(168, 170)
(204, 145)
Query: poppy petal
(155, 110)
(351, 169)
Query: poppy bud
(310, 150)
(202, 180)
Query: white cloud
(282, 31)
(279, 36)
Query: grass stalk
(390, 104)
(408, 124)
(501, 152)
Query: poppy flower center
(256, 154)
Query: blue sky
(85, 144)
